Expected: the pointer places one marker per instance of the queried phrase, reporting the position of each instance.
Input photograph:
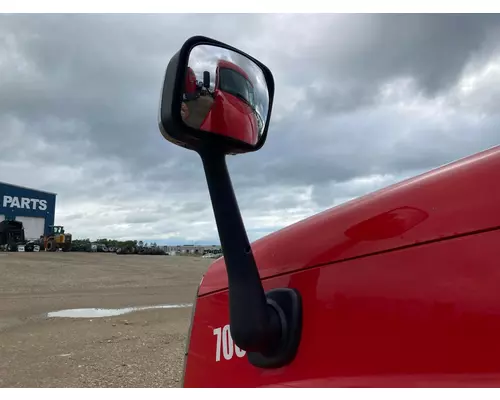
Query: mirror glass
(225, 93)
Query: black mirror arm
(255, 324)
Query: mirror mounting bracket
(267, 325)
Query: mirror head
(215, 96)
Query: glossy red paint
(456, 199)
(190, 84)
(399, 289)
(422, 316)
(230, 116)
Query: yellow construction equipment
(57, 239)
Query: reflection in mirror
(225, 93)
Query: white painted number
(240, 353)
(217, 346)
(227, 343)
(224, 343)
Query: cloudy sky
(362, 101)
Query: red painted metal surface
(229, 116)
(456, 199)
(400, 289)
(426, 315)
(190, 84)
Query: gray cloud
(347, 57)
(362, 101)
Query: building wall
(23, 202)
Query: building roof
(28, 188)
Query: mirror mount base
(289, 303)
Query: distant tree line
(118, 246)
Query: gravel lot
(139, 349)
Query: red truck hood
(453, 200)
(231, 117)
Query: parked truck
(229, 109)
(397, 288)
(11, 235)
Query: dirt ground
(198, 110)
(139, 349)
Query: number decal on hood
(225, 345)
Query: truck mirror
(235, 118)
(206, 79)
